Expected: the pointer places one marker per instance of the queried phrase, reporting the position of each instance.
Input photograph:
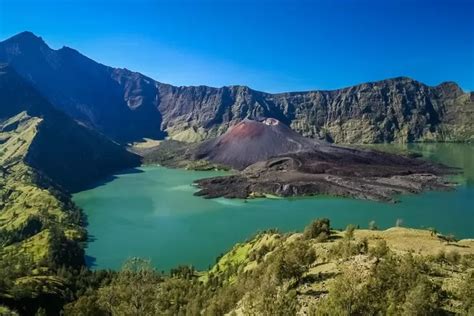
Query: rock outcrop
(128, 106)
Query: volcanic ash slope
(251, 141)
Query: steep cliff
(394, 110)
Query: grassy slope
(44, 155)
(326, 268)
(26, 197)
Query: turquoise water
(151, 212)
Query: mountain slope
(44, 155)
(49, 141)
(117, 102)
(128, 106)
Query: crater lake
(151, 212)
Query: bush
(396, 286)
(346, 248)
(349, 233)
(319, 229)
(292, 261)
(380, 249)
(465, 294)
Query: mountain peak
(450, 89)
(25, 42)
(27, 37)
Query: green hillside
(321, 271)
(44, 155)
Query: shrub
(453, 257)
(319, 229)
(380, 249)
(349, 233)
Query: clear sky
(268, 45)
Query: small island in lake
(271, 159)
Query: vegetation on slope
(40, 231)
(40, 228)
(318, 272)
(43, 156)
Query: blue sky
(268, 45)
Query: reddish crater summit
(244, 129)
(251, 141)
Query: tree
(133, 291)
(380, 249)
(349, 233)
(394, 286)
(345, 296)
(271, 299)
(292, 261)
(186, 272)
(319, 229)
(421, 299)
(84, 306)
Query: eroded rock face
(394, 110)
(127, 106)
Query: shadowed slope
(117, 102)
(70, 154)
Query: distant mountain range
(128, 106)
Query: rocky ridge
(128, 106)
